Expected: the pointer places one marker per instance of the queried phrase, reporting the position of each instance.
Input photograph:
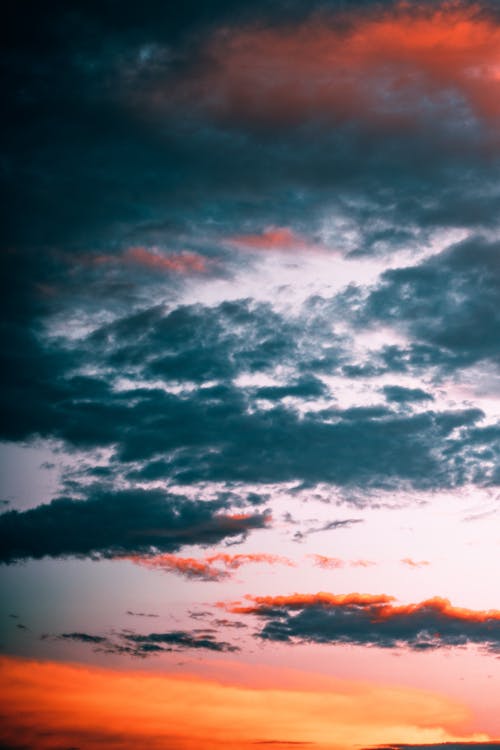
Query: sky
(250, 434)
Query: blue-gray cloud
(117, 524)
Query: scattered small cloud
(410, 563)
(142, 645)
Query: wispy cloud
(411, 563)
(213, 567)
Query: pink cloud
(215, 567)
(273, 238)
(327, 563)
(333, 563)
(414, 563)
(184, 262)
(151, 258)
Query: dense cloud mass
(117, 524)
(447, 303)
(145, 144)
(149, 162)
(214, 430)
(372, 620)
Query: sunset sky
(250, 448)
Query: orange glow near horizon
(53, 705)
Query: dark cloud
(117, 524)
(372, 620)
(140, 614)
(400, 395)
(136, 644)
(194, 424)
(279, 445)
(447, 304)
(220, 432)
(224, 623)
(343, 523)
(189, 344)
(200, 343)
(83, 638)
(177, 640)
(74, 77)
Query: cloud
(153, 259)
(333, 563)
(189, 567)
(214, 567)
(372, 620)
(115, 524)
(141, 645)
(273, 238)
(343, 523)
(401, 395)
(399, 69)
(183, 415)
(141, 614)
(443, 303)
(414, 563)
(82, 638)
(327, 563)
(279, 445)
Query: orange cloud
(207, 568)
(332, 563)
(50, 705)
(188, 566)
(379, 606)
(236, 561)
(442, 607)
(272, 238)
(328, 563)
(299, 601)
(414, 563)
(406, 65)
